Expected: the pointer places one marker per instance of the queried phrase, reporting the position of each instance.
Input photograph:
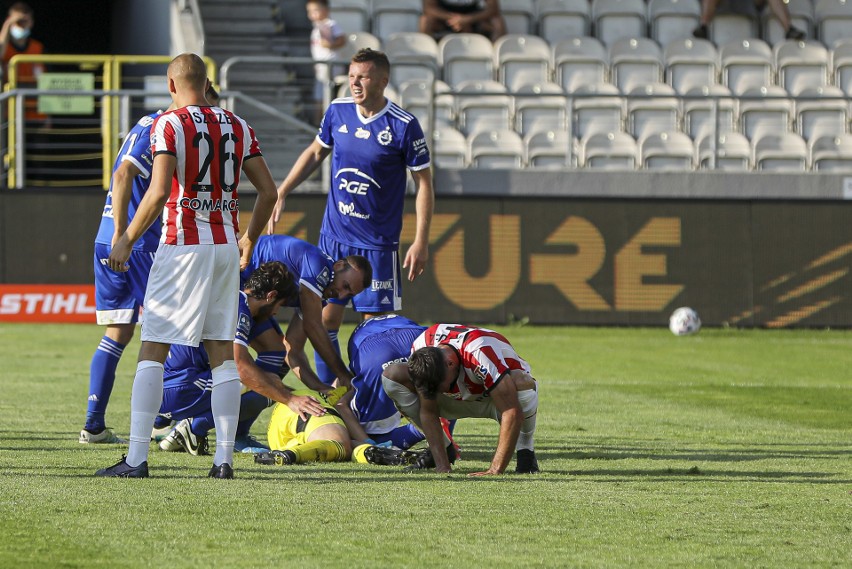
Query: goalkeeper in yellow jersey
(325, 438)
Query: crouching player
(294, 440)
(458, 371)
(186, 394)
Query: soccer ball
(684, 321)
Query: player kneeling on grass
(322, 439)
(456, 372)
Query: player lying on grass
(456, 372)
(323, 439)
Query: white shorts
(192, 294)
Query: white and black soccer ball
(684, 321)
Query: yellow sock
(358, 454)
(319, 451)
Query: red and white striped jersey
(210, 145)
(485, 356)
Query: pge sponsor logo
(354, 181)
(382, 285)
(197, 204)
(354, 186)
(396, 361)
(349, 210)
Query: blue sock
(251, 406)
(202, 424)
(101, 380)
(323, 371)
(406, 436)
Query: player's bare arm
(505, 397)
(431, 422)
(418, 253)
(294, 341)
(311, 306)
(261, 178)
(122, 189)
(147, 212)
(259, 381)
(306, 163)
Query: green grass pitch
(731, 448)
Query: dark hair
(377, 58)
(323, 2)
(426, 367)
(363, 265)
(272, 276)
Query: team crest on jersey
(385, 137)
(480, 372)
(343, 129)
(361, 133)
(324, 277)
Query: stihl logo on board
(47, 303)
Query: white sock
(225, 402)
(145, 400)
(529, 404)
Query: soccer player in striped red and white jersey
(458, 371)
(192, 295)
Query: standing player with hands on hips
(373, 143)
(193, 287)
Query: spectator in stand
(470, 16)
(16, 39)
(778, 7)
(326, 38)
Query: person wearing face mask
(16, 39)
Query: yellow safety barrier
(111, 70)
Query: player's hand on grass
(305, 406)
(119, 254)
(489, 472)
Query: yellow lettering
(631, 266)
(570, 273)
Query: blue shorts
(386, 293)
(118, 296)
(184, 399)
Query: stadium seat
(841, 65)
(522, 59)
(496, 148)
(392, 16)
(746, 64)
(351, 15)
(786, 152)
(413, 56)
(483, 105)
(691, 63)
(449, 147)
(671, 20)
(833, 19)
(667, 151)
(416, 97)
(464, 57)
(519, 16)
(727, 28)
(832, 153)
(580, 61)
(560, 20)
(821, 111)
(615, 20)
(652, 108)
(634, 62)
(708, 109)
(609, 151)
(731, 153)
(356, 41)
(597, 108)
(550, 150)
(801, 16)
(766, 110)
(801, 65)
(540, 106)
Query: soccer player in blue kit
(188, 377)
(373, 143)
(118, 296)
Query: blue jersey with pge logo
(370, 159)
(307, 263)
(137, 149)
